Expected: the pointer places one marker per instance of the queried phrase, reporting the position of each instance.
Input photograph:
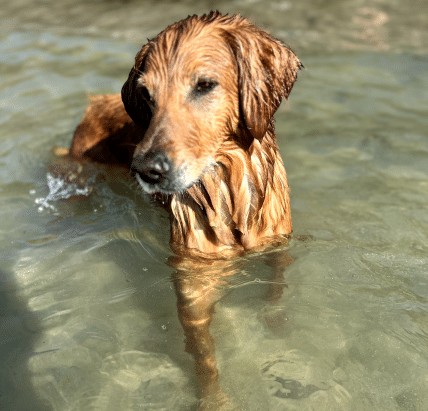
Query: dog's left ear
(267, 70)
(135, 104)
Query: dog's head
(200, 82)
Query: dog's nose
(152, 166)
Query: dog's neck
(237, 205)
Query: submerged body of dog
(195, 125)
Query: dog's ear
(135, 104)
(267, 70)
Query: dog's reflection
(199, 284)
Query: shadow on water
(19, 331)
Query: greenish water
(88, 317)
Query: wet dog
(194, 124)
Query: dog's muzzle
(154, 172)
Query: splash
(60, 189)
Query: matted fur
(227, 189)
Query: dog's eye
(204, 86)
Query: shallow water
(88, 317)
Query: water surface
(88, 316)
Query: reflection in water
(199, 284)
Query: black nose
(152, 166)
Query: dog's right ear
(266, 71)
(135, 104)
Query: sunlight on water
(88, 308)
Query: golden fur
(195, 125)
(228, 191)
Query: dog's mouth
(155, 172)
(152, 185)
(176, 182)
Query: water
(88, 317)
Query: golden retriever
(194, 123)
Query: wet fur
(226, 188)
(228, 191)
